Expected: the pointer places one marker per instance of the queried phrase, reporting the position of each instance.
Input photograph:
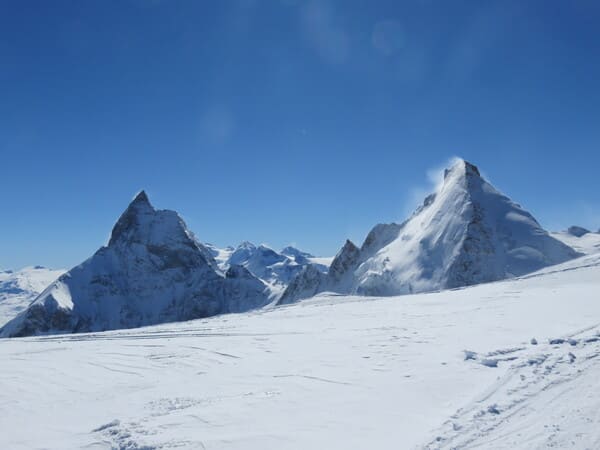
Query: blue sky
(284, 122)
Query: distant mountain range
(276, 269)
(19, 288)
(580, 239)
(154, 270)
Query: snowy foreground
(450, 369)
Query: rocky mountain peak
(142, 224)
(152, 271)
(295, 253)
(141, 197)
(462, 167)
(345, 260)
(577, 231)
(139, 211)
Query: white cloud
(217, 124)
(435, 180)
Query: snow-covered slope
(580, 239)
(220, 255)
(153, 270)
(466, 233)
(19, 288)
(454, 369)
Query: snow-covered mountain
(153, 270)
(464, 234)
(19, 288)
(507, 365)
(580, 239)
(276, 269)
(220, 255)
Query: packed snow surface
(510, 364)
(19, 288)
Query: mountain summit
(465, 233)
(153, 270)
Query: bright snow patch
(586, 243)
(19, 288)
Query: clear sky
(282, 122)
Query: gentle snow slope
(19, 288)
(437, 370)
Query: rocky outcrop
(577, 231)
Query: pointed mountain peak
(293, 252)
(471, 169)
(141, 198)
(345, 260)
(132, 217)
(246, 245)
(460, 166)
(577, 231)
(349, 246)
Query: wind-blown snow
(464, 234)
(510, 364)
(19, 288)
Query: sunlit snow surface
(588, 243)
(455, 368)
(19, 288)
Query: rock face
(309, 282)
(577, 231)
(464, 234)
(153, 270)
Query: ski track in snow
(455, 369)
(501, 416)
